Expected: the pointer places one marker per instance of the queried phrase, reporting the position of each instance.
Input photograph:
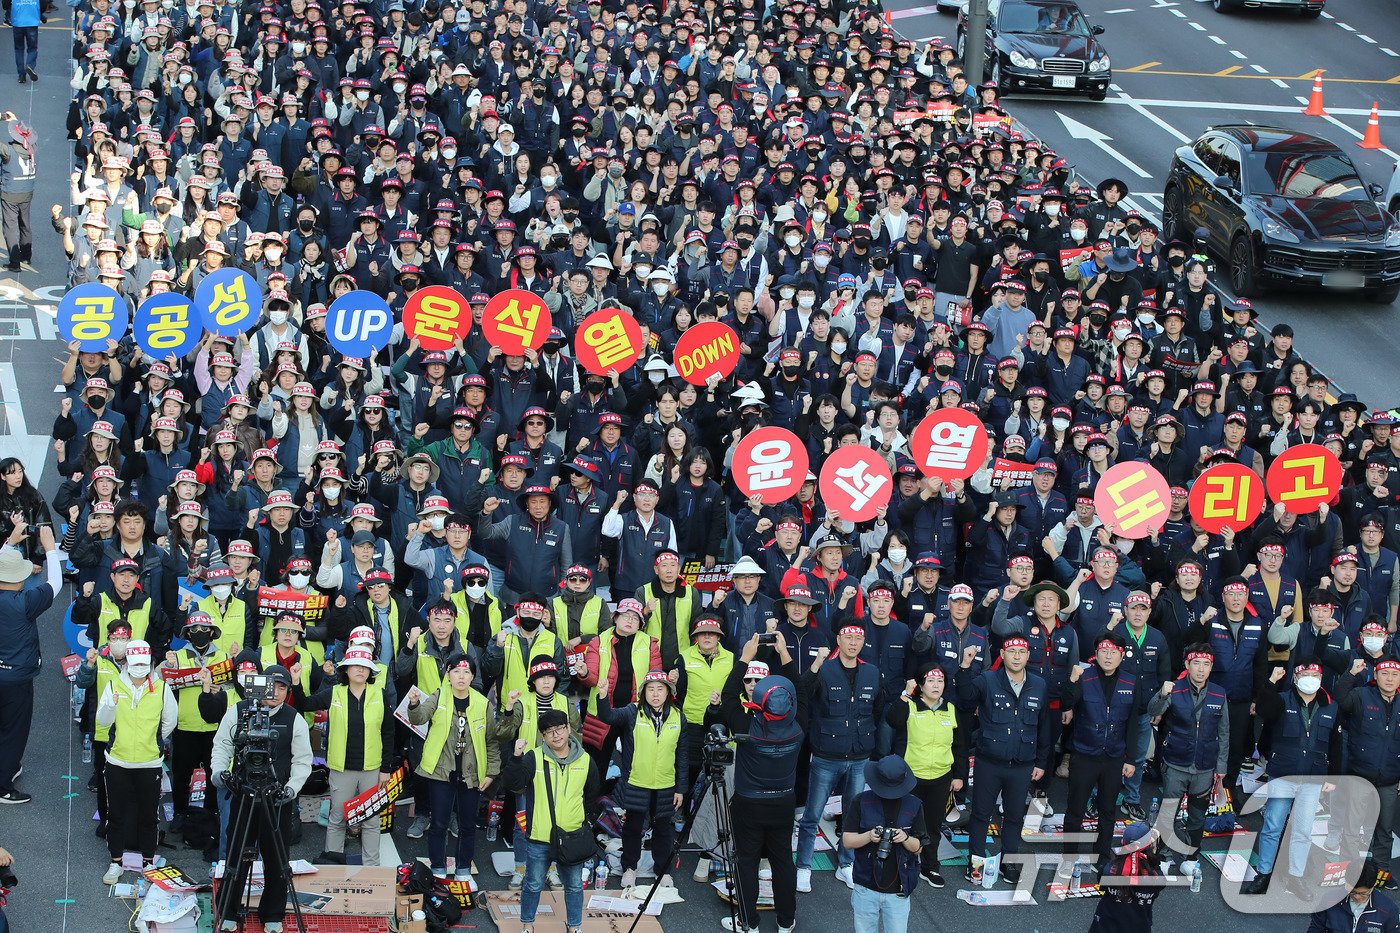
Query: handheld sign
(770, 463)
(436, 316)
(609, 338)
(856, 483)
(1304, 477)
(514, 320)
(92, 314)
(1228, 495)
(166, 323)
(359, 323)
(1133, 499)
(705, 350)
(951, 443)
(230, 301)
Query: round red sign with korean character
(856, 483)
(1303, 477)
(436, 316)
(609, 338)
(951, 443)
(516, 319)
(706, 349)
(1228, 495)
(1133, 499)
(770, 463)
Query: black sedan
(1282, 207)
(1041, 45)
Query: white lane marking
(1238, 54)
(1198, 27)
(1326, 15)
(1183, 15)
(1126, 9)
(1357, 133)
(1391, 52)
(1152, 117)
(1081, 131)
(1346, 27)
(1156, 103)
(1281, 83)
(1217, 40)
(1162, 4)
(1260, 68)
(1364, 38)
(1114, 87)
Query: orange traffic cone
(1314, 107)
(889, 20)
(1372, 139)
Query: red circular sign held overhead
(856, 483)
(707, 349)
(770, 463)
(1304, 477)
(1228, 495)
(609, 338)
(951, 443)
(515, 319)
(437, 316)
(1133, 499)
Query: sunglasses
(474, 581)
(328, 456)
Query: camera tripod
(258, 803)
(715, 786)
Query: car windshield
(1061, 19)
(1305, 175)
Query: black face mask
(620, 106)
(1176, 262)
(1115, 276)
(878, 264)
(200, 639)
(861, 242)
(791, 371)
(1042, 276)
(580, 132)
(1132, 230)
(745, 243)
(595, 385)
(306, 226)
(1098, 320)
(942, 372)
(410, 284)
(528, 624)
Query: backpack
(441, 909)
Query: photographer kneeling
(885, 830)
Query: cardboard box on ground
(346, 891)
(504, 907)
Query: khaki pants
(344, 785)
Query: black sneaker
(16, 796)
(972, 875)
(1091, 810)
(33, 75)
(1134, 812)
(331, 858)
(933, 877)
(1011, 874)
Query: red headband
(1387, 665)
(528, 607)
(1108, 643)
(851, 630)
(1015, 641)
(1199, 656)
(1236, 588)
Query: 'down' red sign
(515, 319)
(770, 463)
(609, 338)
(856, 483)
(705, 350)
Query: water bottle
(87, 749)
(493, 818)
(989, 873)
(75, 700)
(1196, 879)
(600, 880)
(1153, 811)
(976, 898)
(1076, 878)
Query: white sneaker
(667, 881)
(629, 879)
(783, 929)
(555, 883)
(702, 871)
(846, 877)
(228, 926)
(728, 924)
(273, 926)
(1065, 871)
(1188, 868)
(114, 873)
(954, 814)
(804, 880)
(467, 877)
(517, 878)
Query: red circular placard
(951, 443)
(1228, 495)
(609, 338)
(1133, 499)
(515, 319)
(706, 349)
(856, 483)
(770, 463)
(436, 316)
(1303, 477)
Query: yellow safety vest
(269, 657)
(641, 663)
(441, 725)
(493, 614)
(529, 721)
(187, 698)
(136, 730)
(566, 783)
(138, 617)
(233, 624)
(930, 749)
(339, 725)
(426, 670)
(653, 754)
(107, 671)
(515, 671)
(703, 678)
(587, 623)
(685, 610)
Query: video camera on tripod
(718, 752)
(252, 770)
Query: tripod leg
(235, 864)
(275, 853)
(725, 851)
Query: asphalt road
(58, 859)
(1178, 67)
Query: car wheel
(1242, 277)
(1223, 6)
(1100, 94)
(1311, 14)
(1002, 89)
(1384, 296)
(1173, 214)
(962, 43)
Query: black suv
(1041, 45)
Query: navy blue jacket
(1015, 729)
(843, 716)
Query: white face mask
(186, 78)
(806, 301)
(787, 293)
(331, 491)
(273, 256)
(1146, 319)
(821, 261)
(277, 317)
(449, 154)
(1373, 643)
(1060, 424)
(362, 96)
(438, 521)
(792, 239)
(838, 347)
(1120, 332)
(299, 580)
(475, 590)
(660, 288)
(1077, 235)
(1053, 209)
(549, 181)
(897, 555)
(221, 591)
(819, 216)
(1308, 685)
(298, 48)
(643, 272)
(657, 377)
(400, 88)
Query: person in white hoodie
(141, 710)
